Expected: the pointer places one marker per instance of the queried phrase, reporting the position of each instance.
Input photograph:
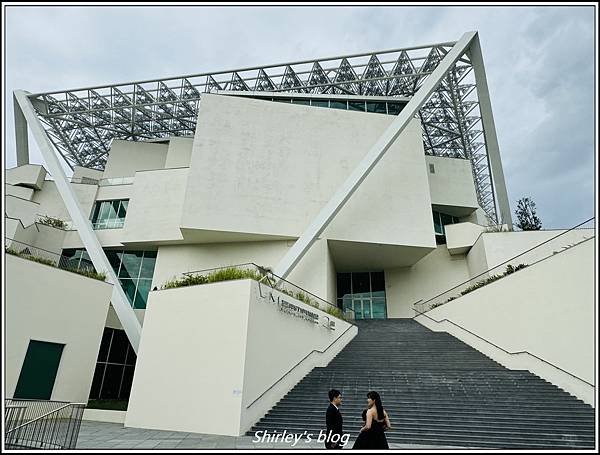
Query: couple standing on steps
(371, 435)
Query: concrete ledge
(104, 415)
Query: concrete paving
(103, 435)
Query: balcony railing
(265, 277)
(41, 424)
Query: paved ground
(102, 435)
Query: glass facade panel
(141, 296)
(304, 102)
(319, 103)
(363, 292)
(131, 264)
(376, 106)
(109, 214)
(148, 263)
(338, 104)
(356, 106)
(129, 288)
(394, 108)
(114, 374)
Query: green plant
(335, 311)
(89, 273)
(52, 221)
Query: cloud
(539, 64)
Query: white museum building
(237, 232)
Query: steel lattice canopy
(81, 123)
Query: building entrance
(362, 292)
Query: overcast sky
(539, 63)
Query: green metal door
(39, 370)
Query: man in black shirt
(333, 420)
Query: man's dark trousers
(334, 423)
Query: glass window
(148, 263)
(118, 347)
(114, 257)
(112, 381)
(104, 345)
(129, 288)
(377, 282)
(360, 283)
(343, 285)
(394, 108)
(131, 357)
(126, 384)
(437, 223)
(131, 264)
(446, 219)
(141, 297)
(356, 106)
(375, 106)
(97, 381)
(298, 101)
(338, 104)
(378, 309)
(319, 103)
(109, 214)
(282, 100)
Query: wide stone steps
(437, 391)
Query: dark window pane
(148, 264)
(114, 257)
(360, 282)
(394, 108)
(320, 103)
(126, 384)
(377, 281)
(131, 357)
(97, 381)
(282, 100)
(437, 224)
(129, 288)
(141, 296)
(446, 219)
(118, 348)
(122, 209)
(343, 285)
(378, 107)
(112, 381)
(356, 106)
(304, 102)
(104, 344)
(130, 266)
(338, 104)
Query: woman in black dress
(372, 434)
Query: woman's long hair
(377, 399)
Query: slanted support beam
(498, 184)
(118, 299)
(345, 191)
(21, 134)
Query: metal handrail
(43, 415)
(266, 274)
(299, 362)
(497, 266)
(501, 348)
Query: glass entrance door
(362, 292)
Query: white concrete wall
(112, 192)
(51, 203)
(245, 181)
(155, 208)
(460, 237)
(29, 175)
(19, 191)
(433, 274)
(49, 304)
(452, 182)
(547, 309)
(21, 209)
(180, 152)
(202, 362)
(79, 172)
(502, 246)
(49, 238)
(127, 157)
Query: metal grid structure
(81, 123)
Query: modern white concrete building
(362, 185)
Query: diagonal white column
(345, 191)
(499, 192)
(119, 300)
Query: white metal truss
(81, 123)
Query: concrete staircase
(437, 391)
